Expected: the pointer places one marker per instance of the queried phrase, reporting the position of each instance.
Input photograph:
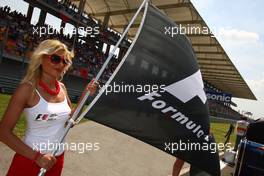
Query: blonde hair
(46, 47)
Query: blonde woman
(47, 107)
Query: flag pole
(115, 72)
(83, 100)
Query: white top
(45, 123)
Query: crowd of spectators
(71, 9)
(21, 41)
(218, 109)
(16, 23)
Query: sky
(238, 26)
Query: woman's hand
(46, 161)
(92, 87)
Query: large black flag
(157, 96)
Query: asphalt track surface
(108, 153)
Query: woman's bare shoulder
(63, 86)
(24, 91)
(26, 87)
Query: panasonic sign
(223, 97)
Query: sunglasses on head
(56, 59)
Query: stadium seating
(21, 42)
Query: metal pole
(81, 104)
(110, 79)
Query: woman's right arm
(17, 103)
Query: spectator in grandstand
(47, 108)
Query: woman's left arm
(92, 86)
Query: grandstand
(18, 41)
